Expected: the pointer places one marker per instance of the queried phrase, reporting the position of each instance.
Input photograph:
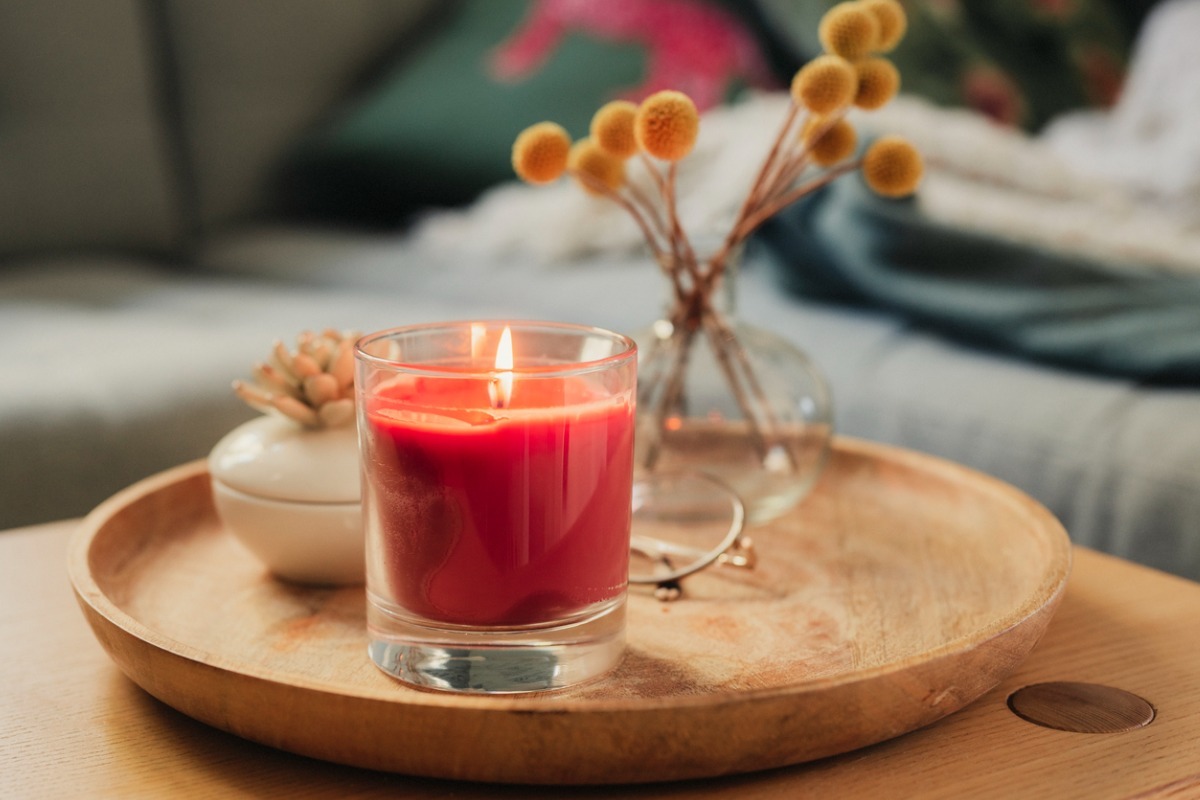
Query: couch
(148, 259)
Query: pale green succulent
(313, 386)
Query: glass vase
(731, 400)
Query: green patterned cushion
(439, 127)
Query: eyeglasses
(684, 522)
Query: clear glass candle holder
(497, 466)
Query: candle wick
(499, 401)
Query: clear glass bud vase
(734, 401)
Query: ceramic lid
(274, 458)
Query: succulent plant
(313, 386)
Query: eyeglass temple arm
(740, 554)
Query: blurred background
(184, 181)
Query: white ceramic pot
(291, 495)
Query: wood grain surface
(903, 589)
(72, 725)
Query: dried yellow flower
(878, 82)
(825, 84)
(588, 158)
(893, 22)
(612, 128)
(836, 144)
(539, 154)
(892, 167)
(849, 30)
(666, 125)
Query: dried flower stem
(769, 209)
(780, 158)
(768, 438)
(671, 397)
(632, 209)
(694, 310)
(723, 341)
(682, 248)
(796, 162)
(659, 181)
(752, 197)
(639, 198)
(689, 318)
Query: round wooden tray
(901, 590)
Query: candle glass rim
(629, 350)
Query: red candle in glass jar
(500, 501)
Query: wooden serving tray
(902, 589)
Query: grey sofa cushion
(251, 76)
(116, 369)
(84, 159)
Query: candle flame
(500, 389)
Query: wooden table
(72, 725)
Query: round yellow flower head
(878, 82)
(849, 30)
(825, 84)
(612, 128)
(892, 167)
(836, 144)
(893, 22)
(539, 154)
(587, 158)
(666, 125)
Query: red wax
(509, 516)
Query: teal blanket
(846, 245)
